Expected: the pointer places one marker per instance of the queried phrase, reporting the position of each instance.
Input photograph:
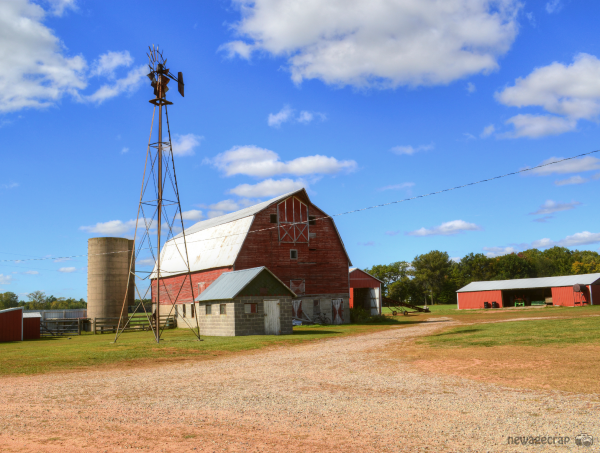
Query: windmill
(159, 213)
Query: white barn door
(337, 311)
(374, 301)
(272, 317)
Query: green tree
(474, 267)
(561, 258)
(432, 271)
(513, 266)
(389, 273)
(8, 300)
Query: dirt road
(347, 394)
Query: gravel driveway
(345, 394)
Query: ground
(375, 390)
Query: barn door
(297, 308)
(272, 317)
(374, 302)
(337, 311)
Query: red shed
(289, 235)
(365, 291)
(567, 291)
(16, 326)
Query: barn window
(208, 309)
(250, 308)
(223, 309)
(193, 310)
(292, 216)
(316, 307)
(273, 218)
(184, 310)
(312, 219)
(293, 254)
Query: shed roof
(352, 269)
(11, 309)
(215, 242)
(32, 315)
(230, 284)
(525, 283)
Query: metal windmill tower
(159, 210)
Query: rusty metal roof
(229, 284)
(526, 283)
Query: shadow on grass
(457, 332)
(317, 332)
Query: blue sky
(362, 103)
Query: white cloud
(543, 219)
(582, 164)
(128, 84)
(380, 43)
(254, 161)
(106, 64)
(61, 260)
(575, 240)
(493, 252)
(446, 229)
(268, 188)
(284, 115)
(471, 87)
(184, 145)
(404, 185)
(570, 91)
(112, 227)
(410, 150)
(570, 181)
(31, 272)
(5, 279)
(11, 185)
(550, 207)
(60, 6)
(125, 150)
(487, 131)
(553, 6)
(535, 126)
(35, 72)
(193, 214)
(229, 205)
(67, 270)
(145, 262)
(367, 244)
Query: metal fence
(60, 314)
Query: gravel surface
(345, 394)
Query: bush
(359, 315)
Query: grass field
(139, 349)
(561, 353)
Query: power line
(524, 170)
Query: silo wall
(108, 271)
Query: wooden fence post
(78, 326)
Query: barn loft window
(273, 218)
(208, 309)
(293, 254)
(250, 308)
(292, 216)
(223, 309)
(312, 219)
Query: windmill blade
(180, 84)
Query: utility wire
(524, 170)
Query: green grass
(136, 348)
(520, 333)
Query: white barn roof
(213, 243)
(526, 283)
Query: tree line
(436, 277)
(39, 301)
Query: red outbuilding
(365, 291)
(289, 235)
(566, 291)
(15, 326)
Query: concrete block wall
(215, 324)
(249, 323)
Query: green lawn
(133, 348)
(538, 332)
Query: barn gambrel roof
(216, 242)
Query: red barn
(289, 235)
(566, 291)
(16, 326)
(365, 291)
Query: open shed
(566, 291)
(365, 291)
(16, 326)
(247, 302)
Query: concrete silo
(108, 271)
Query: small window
(293, 254)
(250, 308)
(208, 309)
(193, 310)
(312, 219)
(223, 309)
(184, 314)
(273, 218)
